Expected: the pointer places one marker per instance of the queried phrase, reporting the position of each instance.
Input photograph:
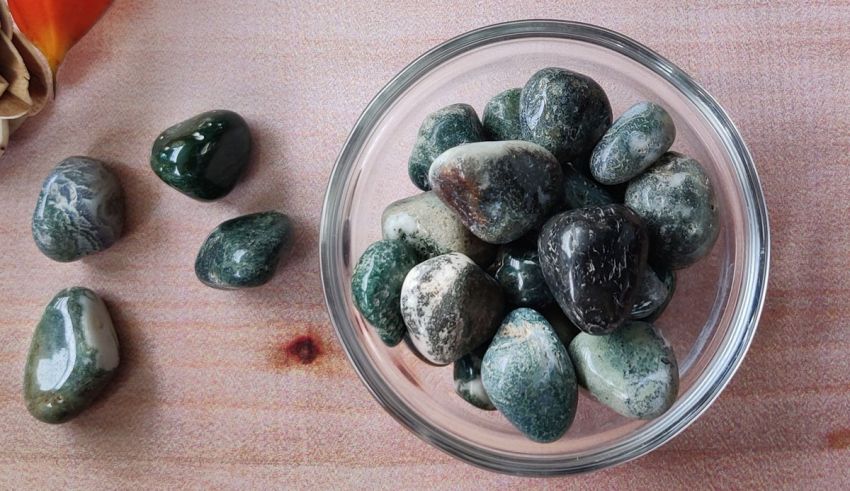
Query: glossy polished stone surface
(204, 156)
(501, 116)
(654, 293)
(518, 272)
(80, 210)
(450, 307)
(499, 190)
(244, 251)
(593, 259)
(467, 378)
(581, 192)
(376, 286)
(73, 355)
(441, 130)
(528, 376)
(633, 371)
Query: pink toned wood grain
(207, 399)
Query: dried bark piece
(15, 100)
(41, 76)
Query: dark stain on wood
(838, 439)
(303, 349)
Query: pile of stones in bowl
(80, 211)
(543, 247)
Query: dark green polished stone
(376, 286)
(443, 129)
(80, 210)
(203, 156)
(518, 272)
(581, 192)
(73, 355)
(467, 377)
(501, 116)
(528, 376)
(244, 251)
(654, 293)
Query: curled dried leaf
(15, 100)
(41, 76)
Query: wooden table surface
(208, 396)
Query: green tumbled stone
(376, 287)
(443, 129)
(203, 156)
(528, 376)
(637, 139)
(582, 192)
(501, 116)
(654, 294)
(80, 210)
(467, 377)
(633, 370)
(73, 355)
(518, 272)
(244, 251)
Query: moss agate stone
(72, 357)
(634, 142)
(676, 200)
(376, 286)
(654, 294)
(633, 371)
(593, 259)
(499, 190)
(501, 116)
(80, 210)
(450, 307)
(432, 229)
(518, 272)
(244, 251)
(528, 376)
(582, 192)
(467, 378)
(564, 111)
(443, 129)
(204, 156)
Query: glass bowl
(710, 321)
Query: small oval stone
(633, 370)
(450, 307)
(244, 251)
(528, 376)
(592, 259)
(376, 287)
(432, 229)
(500, 190)
(634, 142)
(80, 210)
(518, 272)
(501, 116)
(204, 156)
(441, 130)
(467, 377)
(654, 294)
(72, 357)
(564, 111)
(676, 200)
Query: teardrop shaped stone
(80, 210)
(204, 156)
(73, 355)
(592, 259)
(441, 130)
(528, 376)
(633, 370)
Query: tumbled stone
(441, 130)
(528, 376)
(592, 259)
(633, 370)
(204, 156)
(432, 229)
(500, 190)
(563, 111)
(517, 269)
(634, 142)
(376, 287)
(501, 116)
(79, 211)
(676, 200)
(72, 357)
(244, 252)
(582, 192)
(450, 307)
(654, 293)
(467, 378)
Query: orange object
(55, 26)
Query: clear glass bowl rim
(730, 353)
